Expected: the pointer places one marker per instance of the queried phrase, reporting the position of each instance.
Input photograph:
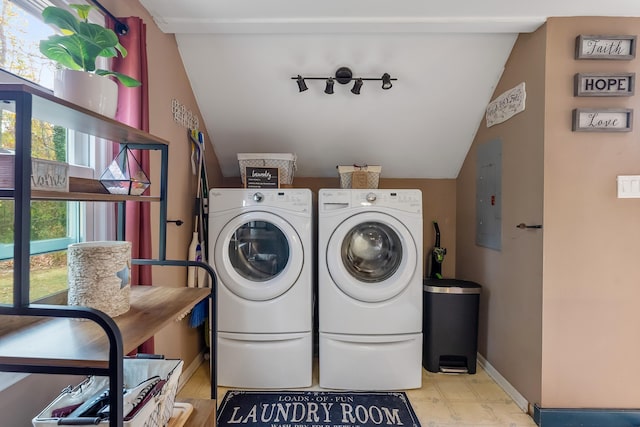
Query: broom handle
(198, 189)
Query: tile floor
(444, 400)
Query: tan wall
(558, 316)
(591, 269)
(510, 327)
(168, 81)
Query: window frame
(87, 156)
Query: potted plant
(76, 51)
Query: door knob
(523, 226)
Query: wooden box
(46, 175)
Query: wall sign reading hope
(598, 84)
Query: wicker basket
(155, 413)
(286, 162)
(99, 275)
(372, 176)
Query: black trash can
(450, 325)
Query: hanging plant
(82, 42)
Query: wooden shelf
(82, 343)
(62, 113)
(88, 197)
(74, 196)
(81, 190)
(57, 343)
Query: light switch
(628, 186)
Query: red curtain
(133, 109)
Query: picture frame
(602, 120)
(604, 84)
(621, 47)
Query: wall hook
(178, 222)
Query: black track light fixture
(356, 87)
(302, 86)
(386, 81)
(343, 75)
(329, 88)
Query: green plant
(82, 42)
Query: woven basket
(99, 275)
(346, 175)
(155, 413)
(286, 162)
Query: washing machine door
(258, 256)
(371, 257)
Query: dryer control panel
(405, 200)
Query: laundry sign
(507, 105)
(260, 177)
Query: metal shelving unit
(110, 339)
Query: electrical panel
(489, 194)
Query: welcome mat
(315, 409)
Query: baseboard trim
(554, 417)
(190, 370)
(564, 417)
(519, 399)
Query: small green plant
(82, 42)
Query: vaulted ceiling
(447, 57)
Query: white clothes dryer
(370, 273)
(260, 246)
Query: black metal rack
(34, 102)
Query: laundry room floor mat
(240, 408)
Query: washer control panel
(222, 199)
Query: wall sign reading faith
(605, 47)
(599, 84)
(605, 120)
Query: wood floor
(444, 400)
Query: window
(54, 224)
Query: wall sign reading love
(605, 120)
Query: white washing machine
(260, 246)
(370, 273)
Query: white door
(371, 256)
(258, 256)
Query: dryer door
(258, 256)
(371, 257)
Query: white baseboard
(519, 399)
(190, 370)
